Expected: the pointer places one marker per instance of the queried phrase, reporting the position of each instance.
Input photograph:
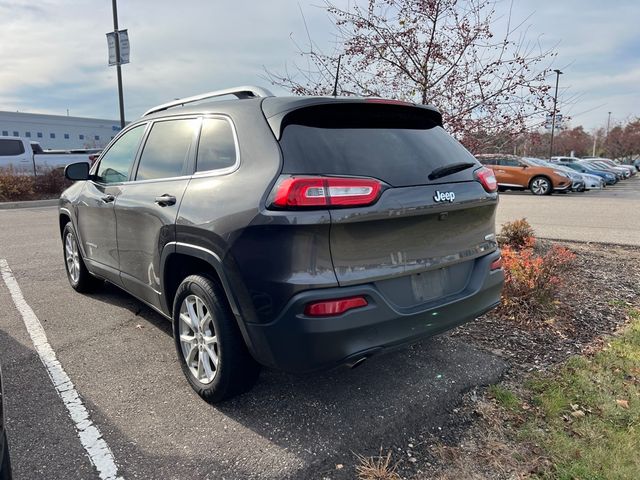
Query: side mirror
(524, 165)
(77, 171)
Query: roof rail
(245, 91)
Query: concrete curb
(28, 204)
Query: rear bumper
(297, 343)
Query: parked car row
(560, 174)
(621, 171)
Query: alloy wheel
(198, 339)
(540, 186)
(72, 257)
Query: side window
(166, 149)
(217, 147)
(487, 161)
(11, 147)
(114, 165)
(508, 162)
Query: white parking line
(97, 449)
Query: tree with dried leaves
(624, 141)
(447, 53)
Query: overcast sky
(54, 52)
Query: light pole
(553, 116)
(118, 68)
(606, 138)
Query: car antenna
(335, 85)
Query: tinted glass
(217, 148)
(11, 147)
(508, 162)
(166, 149)
(399, 145)
(115, 164)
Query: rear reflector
(331, 308)
(487, 178)
(296, 192)
(496, 264)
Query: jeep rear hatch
(408, 207)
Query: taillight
(496, 264)
(331, 308)
(305, 192)
(487, 178)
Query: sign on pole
(548, 122)
(123, 35)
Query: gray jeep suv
(299, 233)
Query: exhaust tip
(356, 363)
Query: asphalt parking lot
(121, 359)
(611, 215)
(120, 356)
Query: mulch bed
(599, 285)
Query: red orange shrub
(531, 279)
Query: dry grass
(489, 451)
(25, 187)
(376, 468)
(578, 421)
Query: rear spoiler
(277, 109)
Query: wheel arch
(541, 175)
(64, 217)
(179, 260)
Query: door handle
(165, 200)
(108, 198)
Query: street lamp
(606, 138)
(553, 117)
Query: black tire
(5, 468)
(541, 186)
(83, 282)
(236, 371)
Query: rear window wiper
(450, 169)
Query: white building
(58, 131)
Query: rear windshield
(396, 144)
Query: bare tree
(441, 52)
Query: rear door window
(509, 162)
(396, 144)
(167, 149)
(488, 161)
